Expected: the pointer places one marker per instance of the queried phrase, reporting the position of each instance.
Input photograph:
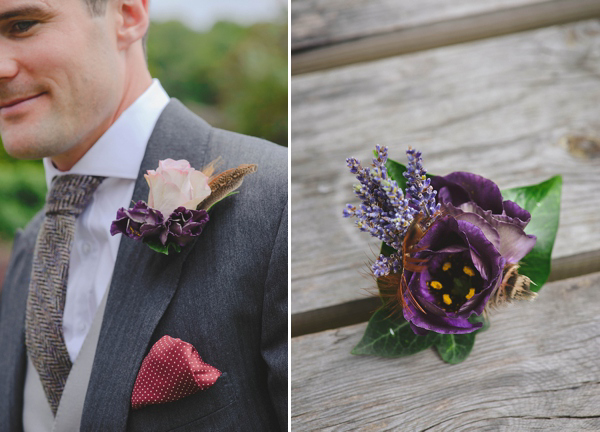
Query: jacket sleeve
(274, 337)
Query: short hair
(98, 8)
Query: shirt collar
(119, 152)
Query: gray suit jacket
(226, 294)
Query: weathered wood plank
(536, 368)
(495, 21)
(500, 108)
(316, 23)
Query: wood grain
(536, 368)
(500, 21)
(503, 108)
(316, 23)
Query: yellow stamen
(446, 266)
(435, 285)
(471, 293)
(447, 299)
(135, 232)
(468, 270)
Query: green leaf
(395, 171)
(480, 318)
(386, 250)
(157, 246)
(455, 348)
(543, 202)
(390, 335)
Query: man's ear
(133, 21)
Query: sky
(202, 14)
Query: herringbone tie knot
(44, 337)
(70, 194)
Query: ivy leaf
(390, 335)
(455, 348)
(543, 202)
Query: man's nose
(8, 67)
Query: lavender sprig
(384, 265)
(418, 186)
(385, 213)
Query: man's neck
(135, 85)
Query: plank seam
(358, 311)
(443, 33)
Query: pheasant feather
(223, 184)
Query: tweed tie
(44, 338)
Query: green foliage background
(235, 77)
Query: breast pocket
(175, 416)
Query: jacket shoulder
(189, 136)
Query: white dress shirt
(117, 155)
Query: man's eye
(23, 26)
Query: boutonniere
(454, 249)
(178, 204)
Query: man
(75, 90)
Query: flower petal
(439, 324)
(514, 243)
(170, 198)
(460, 187)
(517, 214)
(488, 230)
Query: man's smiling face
(60, 77)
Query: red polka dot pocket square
(172, 370)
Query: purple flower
(148, 225)
(139, 223)
(477, 200)
(183, 225)
(465, 252)
(462, 270)
(460, 253)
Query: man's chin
(27, 145)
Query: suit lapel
(143, 285)
(12, 332)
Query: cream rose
(175, 184)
